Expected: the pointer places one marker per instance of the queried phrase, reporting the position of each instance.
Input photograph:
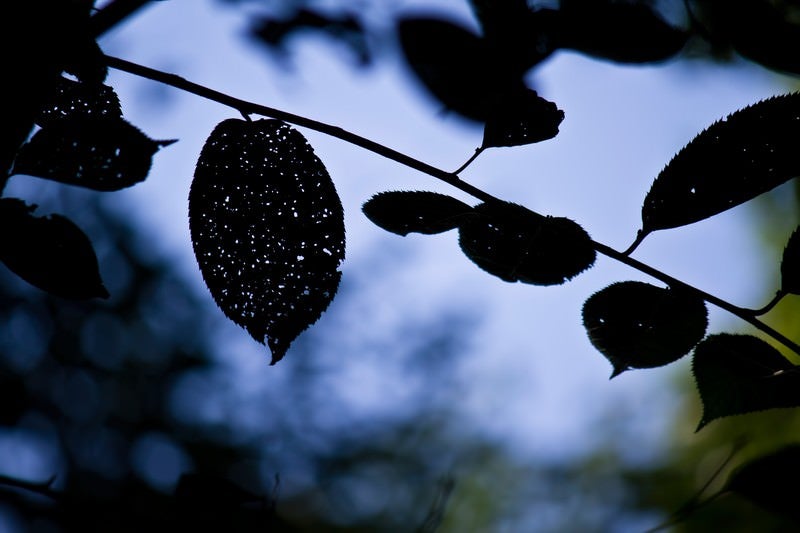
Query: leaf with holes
(515, 244)
(51, 252)
(73, 100)
(638, 325)
(521, 117)
(738, 374)
(404, 212)
(790, 264)
(267, 228)
(736, 159)
(103, 154)
(764, 481)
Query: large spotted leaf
(267, 228)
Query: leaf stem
(244, 107)
(472, 158)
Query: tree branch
(451, 178)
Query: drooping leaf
(638, 325)
(515, 244)
(405, 212)
(521, 117)
(267, 229)
(736, 159)
(50, 252)
(73, 100)
(790, 264)
(452, 62)
(618, 31)
(738, 374)
(104, 154)
(766, 481)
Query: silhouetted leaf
(638, 325)
(405, 212)
(759, 30)
(750, 152)
(790, 264)
(739, 374)
(51, 252)
(267, 228)
(518, 36)
(515, 244)
(620, 32)
(521, 117)
(453, 63)
(766, 481)
(73, 100)
(92, 152)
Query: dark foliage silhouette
(267, 225)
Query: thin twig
(450, 178)
(44, 487)
(472, 158)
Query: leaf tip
(618, 369)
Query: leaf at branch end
(765, 481)
(404, 212)
(515, 244)
(50, 252)
(452, 62)
(96, 153)
(738, 374)
(267, 228)
(736, 159)
(637, 325)
(521, 117)
(790, 264)
(75, 100)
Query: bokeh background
(430, 394)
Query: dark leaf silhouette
(790, 264)
(617, 31)
(453, 63)
(758, 30)
(345, 28)
(405, 212)
(738, 374)
(734, 160)
(51, 252)
(638, 325)
(104, 154)
(76, 100)
(521, 117)
(267, 228)
(515, 244)
(766, 481)
(518, 36)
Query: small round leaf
(515, 244)
(404, 212)
(637, 325)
